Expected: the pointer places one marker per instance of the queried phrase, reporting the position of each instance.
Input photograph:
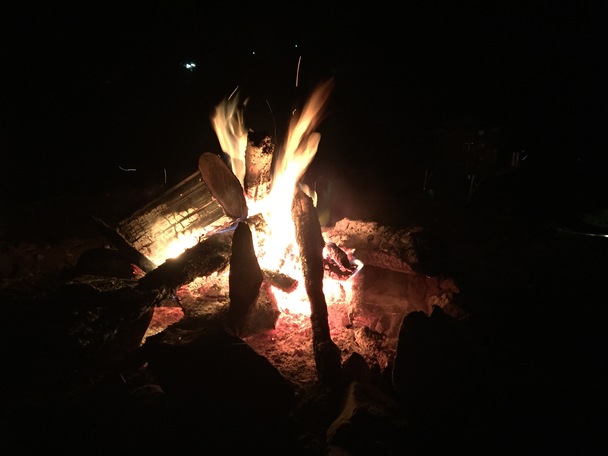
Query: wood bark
(310, 241)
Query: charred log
(124, 247)
(244, 280)
(310, 241)
(208, 256)
(339, 256)
(223, 184)
(280, 280)
(337, 261)
(258, 161)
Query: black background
(92, 88)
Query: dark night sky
(92, 88)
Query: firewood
(208, 256)
(339, 258)
(223, 184)
(310, 241)
(245, 278)
(280, 280)
(186, 207)
(258, 161)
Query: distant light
(189, 66)
(252, 52)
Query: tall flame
(290, 165)
(276, 248)
(229, 126)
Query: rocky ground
(533, 287)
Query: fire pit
(226, 294)
(240, 241)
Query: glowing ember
(276, 247)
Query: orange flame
(229, 126)
(290, 165)
(277, 248)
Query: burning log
(208, 256)
(186, 207)
(338, 262)
(310, 240)
(223, 184)
(258, 160)
(245, 278)
(280, 280)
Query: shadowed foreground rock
(209, 368)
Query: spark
(298, 70)
(233, 92)
(126, 169)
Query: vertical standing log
(245, 278)
(310, 240)
(258, 161)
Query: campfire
(241, 240)
(227, 295)
(257, 187)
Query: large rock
(203, 366)
(436, 371)
(369, 423)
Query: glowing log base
(208, 256)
